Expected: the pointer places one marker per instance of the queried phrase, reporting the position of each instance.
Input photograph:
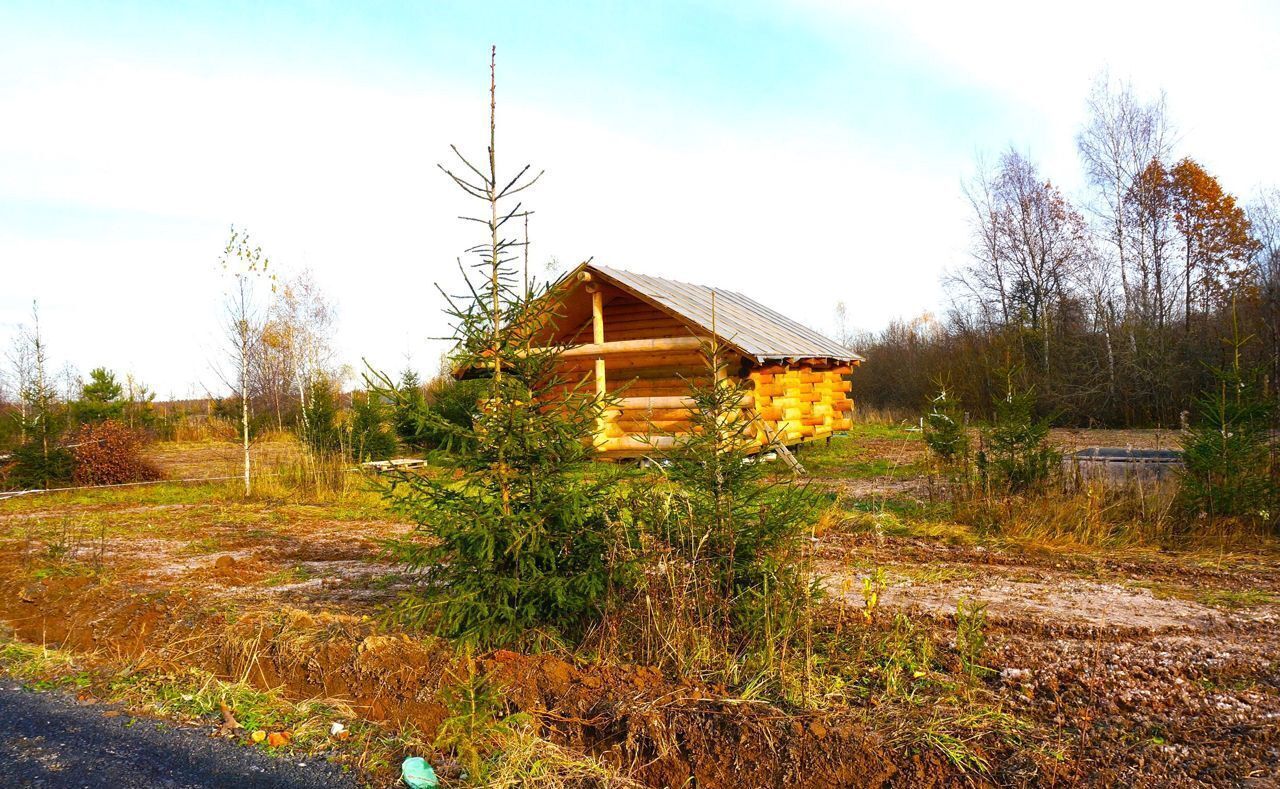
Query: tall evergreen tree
(517, 541)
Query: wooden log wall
(629, 318)
(803, 402)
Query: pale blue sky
(803, 153)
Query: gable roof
(744, 323)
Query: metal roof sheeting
(744, 323)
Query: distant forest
(1114, 309)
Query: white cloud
(342, 178)
(131, 171)
(1217, 62)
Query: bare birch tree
(1030, 248)
(246, 264)
(1121, 138)
(19, 358)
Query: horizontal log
(674, 389)
(680, 414)
(649, 333)
(627, 307)
(630, 320)
(657, 403)
(639, 386)
(664, 360)
(637, 444)
(690, 373)
(654, 425)
(632, 346)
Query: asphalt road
(50, 740)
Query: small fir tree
(320, 413)
(736, 528)
(102, 398)
(1016, 455)
(372, 437)
(943, 429)
(410, 402)
(738, 512)
(1229, 464)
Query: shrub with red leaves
(109, 453)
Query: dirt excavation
(307, 638)
(967, 659)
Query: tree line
(1114, 307)
(277, 368)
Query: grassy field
(1067, 650)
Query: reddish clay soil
(292, 607)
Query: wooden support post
(597, 331)
(772, 440)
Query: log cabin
(639, 338)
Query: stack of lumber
(801, 402)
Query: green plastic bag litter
(418, 774)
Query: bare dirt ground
(1166, 668)
(1138, 666)
(286, 596)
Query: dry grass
(220, 458)
(1097, 515)
(525, 759)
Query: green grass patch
(198, 695)
(291, 575)
(1229, 599)
(203, 546)
(911, 521)
(867, 452)
(163, 493)
(1235, 598)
